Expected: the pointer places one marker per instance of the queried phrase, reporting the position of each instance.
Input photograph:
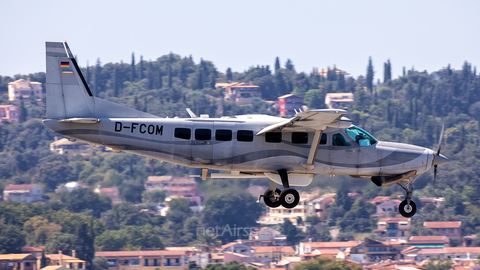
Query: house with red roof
(308, 247)
(241, 93)
(111, 192)
(23, 193)
(431, 241)
(145, 259)
(446, 228)
(387, 208)
(11, 113)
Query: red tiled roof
(282, 249)
(32, 249)
(437, 238)
(442, 224)
(229, 245)
(461, 249)
(108, 190)
(20, 187)
(346, 244)
(138, 253)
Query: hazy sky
(428, 35)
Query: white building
(338, 100)
(23, 193)
(25, 89)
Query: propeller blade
(439, 146)
(434, 180)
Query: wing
(313, 120)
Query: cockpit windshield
(360, 136)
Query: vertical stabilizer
(68, 94)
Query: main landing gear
(407, 207)
(287, 198)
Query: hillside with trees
(409, 109)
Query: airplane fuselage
(231, 144)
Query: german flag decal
(65, 64)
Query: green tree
(52, 174)
(229, 75)
(84, 244)
(12, 238)
(437, 264)
(289, 65)
(314, 99)
(387, 71)
(82, 199)
(23, 111)
(60, 242)
(293, 234)
(224, 213)
(277, 64)
(132, 68)
(100, 263)
(369, 77)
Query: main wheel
(407, 210)
(289, 198)
(270, 199)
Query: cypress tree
(132, 68)
(115, 81)
(43, 260)
(169, 74)
(369, 77)
(88, 73)
(98, 77)
(277, 64)
(229, 75)
(387, 71)
(141, 68)
(84, 244)
(23, 111)
(160, 79)
(150, 75)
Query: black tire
(289, 198)
(407, 211)
(270, 200)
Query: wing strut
(313, 150)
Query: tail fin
(68, 94)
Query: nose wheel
(407, 207)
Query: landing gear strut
(288, 198)
(407, 207)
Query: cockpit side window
(360, 136)
(323, 140)
(339, 140)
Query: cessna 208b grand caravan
(288, 152)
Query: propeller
(441, 159)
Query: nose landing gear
(407, 207)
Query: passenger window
(323, 140)
(203, 134)
(339, 140)
(223, 135)
(245, 136)
(273, 137)
(183, 133)
(300, 137)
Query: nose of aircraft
(440, 160)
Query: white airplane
(288, 152)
